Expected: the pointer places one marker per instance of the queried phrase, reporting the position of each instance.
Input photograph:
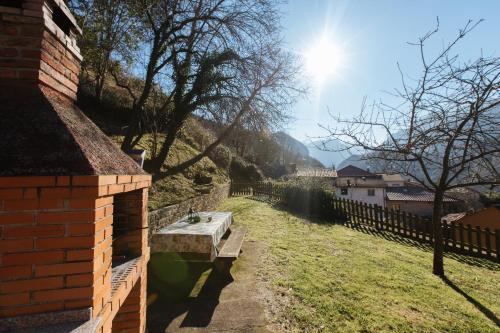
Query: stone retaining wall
(167, 215)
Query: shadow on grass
(487, 312)
(387, 235)
(466, 259)
(181, 287)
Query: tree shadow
(387, 235)
(424, 246)
(175, 297)
(487, 312)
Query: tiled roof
(352, 171)
(43, 133)
(396, 177)
(453, 217)
(411, 193)
(316, 172)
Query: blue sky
(372, 36)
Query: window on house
(396, 207)
(343, 191)
(371, 192)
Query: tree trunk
(129, 135)
(157, 163)
(135, 118)
(99, 86)
(438, 267)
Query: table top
(188, 237)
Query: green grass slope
(329, 278)
(179, 187)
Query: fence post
(445, 230)
(354, 205)
(364, 213)
(479, 241)
(345, 209)
(429, 231)
(370, 214)
(336, 214)
(350, 210)
(393, 226)
(413, 226)
(357, 206)
(398, 221)
(405, 224)
(361, 215)
(497, 243)
(386, 219)
(453, 236)
(420, 232)
(410, 224)
(461, 236)
(469, 238)
(487, 234)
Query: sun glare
(323, 60)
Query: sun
(323, 60)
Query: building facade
(415, 200)
(353, 183)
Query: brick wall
(130, 222)
(56, 241)
(164, 216)
(132, 315)
(34, 49)
(50, 236)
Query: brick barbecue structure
(73, 207)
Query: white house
(353, 183)
(386, 190)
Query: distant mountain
(329, 157)
(353, 160)
(291, 144)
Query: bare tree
(109, 29)
(217, 59)
(445, 131)
(259, 91)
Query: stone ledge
(140, 181)
(87, 327)
(66, 321)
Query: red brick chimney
(73, 207)
(38, 45)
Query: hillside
(271, 152)
(356, 161)
(326, 153)
(291, 144)
(110, 115)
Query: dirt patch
(275, 298)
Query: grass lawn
(330, 278)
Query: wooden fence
(465, 239)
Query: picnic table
(196, 241)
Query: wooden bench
(230, 250)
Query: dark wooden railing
(465, 239)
